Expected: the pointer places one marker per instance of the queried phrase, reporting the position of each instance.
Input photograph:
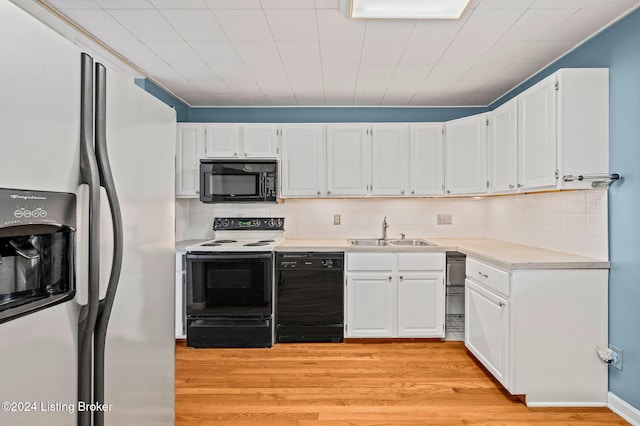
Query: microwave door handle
(263, 186)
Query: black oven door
(229, 284)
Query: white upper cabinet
(190, 143)
(241, 141)
(563, 129)
(260, 141)
(390, 159)
(303, 162)
(466, 155)
(502, 148)
(426, 161)
(583, 124)
(537, 136)
(222, 141)
(348, 159)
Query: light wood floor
(396, 383)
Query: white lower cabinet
(536, 331)
(395, 295)
(371, 305)
(487, 330)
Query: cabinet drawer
(489, 276)
(420, 261)
(370, 261)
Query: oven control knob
(225, 223)
(257, 223)
(327, 263)
(278, 223)
(271, 223)
(217, 223)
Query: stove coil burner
(225, 241)
(258, 243)
(212, 244)
(266, 241)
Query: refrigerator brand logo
(28, 197)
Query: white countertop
(502, 254)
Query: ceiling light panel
(408, 9)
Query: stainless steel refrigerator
(53, 357)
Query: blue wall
(182, 109)
(618, 48)
(327, 114)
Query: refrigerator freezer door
(40, 121)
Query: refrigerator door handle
(106, 180)
(90, 175)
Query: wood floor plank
(359, 384)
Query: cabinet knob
(318, 192)
(401, 277)
(519, 185)
(245, 154)
(510, 186)
(235, 154)
(501, 304)
(390, 277)
(413, 192)
(448, 191)
(328, 192)
(402, 192)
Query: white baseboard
(624, 409)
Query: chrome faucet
(385, 225)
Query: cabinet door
(260, 141)
(190, 141)
(537, 136)
(348, 160)
(426, 161)
(502, 148)
(420, 304)
(222, 141)
(486, 323)
(371, 305)
(390, 159)
(303, 162)
(466, 162)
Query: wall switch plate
(444, 218)
(336, 219)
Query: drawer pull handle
(483, 275)
(501, 304)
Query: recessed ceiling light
(408, 9)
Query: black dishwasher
(309, 297)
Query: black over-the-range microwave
(235, 181)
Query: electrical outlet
(444, 218)
(336, 219)
(616, 357)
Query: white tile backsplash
(569, 221)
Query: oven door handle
(205, 256)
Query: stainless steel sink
(411, 242)
(380, 242)
(368, 242)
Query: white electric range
(229, 295)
